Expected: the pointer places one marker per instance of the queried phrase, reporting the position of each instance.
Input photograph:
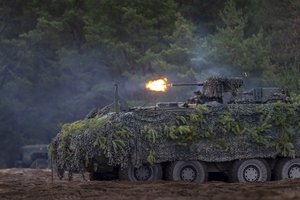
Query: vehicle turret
(228, 90)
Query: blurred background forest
(61, 58)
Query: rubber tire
(174, 168)
(282, 167)
(128, 173)
(236, 172)
(39, 164)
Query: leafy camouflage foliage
(216, 133)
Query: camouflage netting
(213, 134)
(215, 86)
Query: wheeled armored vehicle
(251, 136)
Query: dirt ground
(36, 184)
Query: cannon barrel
(187, 84)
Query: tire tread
(233, 174)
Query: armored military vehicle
(252, 136)
(33, 156)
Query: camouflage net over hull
(213, 134)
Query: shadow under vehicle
(251, 136)
(33, 156)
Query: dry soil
(36, 184)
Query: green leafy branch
(150, 134)
(285, 146)
(229, 124)
(222, 144)
(151, 157)
(117, 142)
(257, 133)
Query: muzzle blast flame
(159, 85)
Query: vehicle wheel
(192, 171)
(287, 168)
(39, 164)
(142, 173)
(252, 170)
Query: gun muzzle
(187, 84)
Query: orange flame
(159, 85)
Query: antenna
(116, 99)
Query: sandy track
(36, 184)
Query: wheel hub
(142, 173)
(251, 173)
(294, 171)
(188, 173)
